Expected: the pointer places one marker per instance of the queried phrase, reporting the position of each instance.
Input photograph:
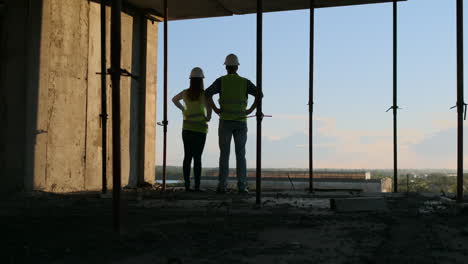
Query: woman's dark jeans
(194, 143)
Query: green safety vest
(233, 98)
(195, 114)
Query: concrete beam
(189, 9)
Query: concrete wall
(53, 136)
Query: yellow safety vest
(233, 99)
(195, 114)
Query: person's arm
(176, 100)
(252, 90)
(212, 90)
(208, 110)
(212, 105)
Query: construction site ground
(179, 227)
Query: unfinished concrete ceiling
(187, 9)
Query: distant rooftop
(188, 9)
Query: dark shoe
(189, 190)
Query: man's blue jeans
(228, 129)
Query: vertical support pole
(142, 99)
(259, 113)
(104, 96)
(395, 103)
(165, 99)
(115, 75)
(460, 100)
(311, 94)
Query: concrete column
(132, 90)
(93, 179)
(33, 133)
(150, 102)
(60, 158)
(125, 94)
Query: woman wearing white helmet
(196, 113)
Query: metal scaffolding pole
(104, 96)
(165, 122)
(259, 113)
(395, 102)
(115, 75)
(460, 100)
(311, 94)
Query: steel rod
(104, 96)
(258, 189)
(165, 98)
(115, 75)
(395, 102)
(460, 100)
(311, 94)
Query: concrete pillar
(126, 86)
(138, 102)
(33, 133)
(60, 153)
(150, 102)
(93, 179)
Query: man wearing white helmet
(233, 93)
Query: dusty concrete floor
(209, 228)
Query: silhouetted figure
(233, 93)
(196, 113)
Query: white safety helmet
(231, 60)
(197, 73)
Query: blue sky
(353, 85)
